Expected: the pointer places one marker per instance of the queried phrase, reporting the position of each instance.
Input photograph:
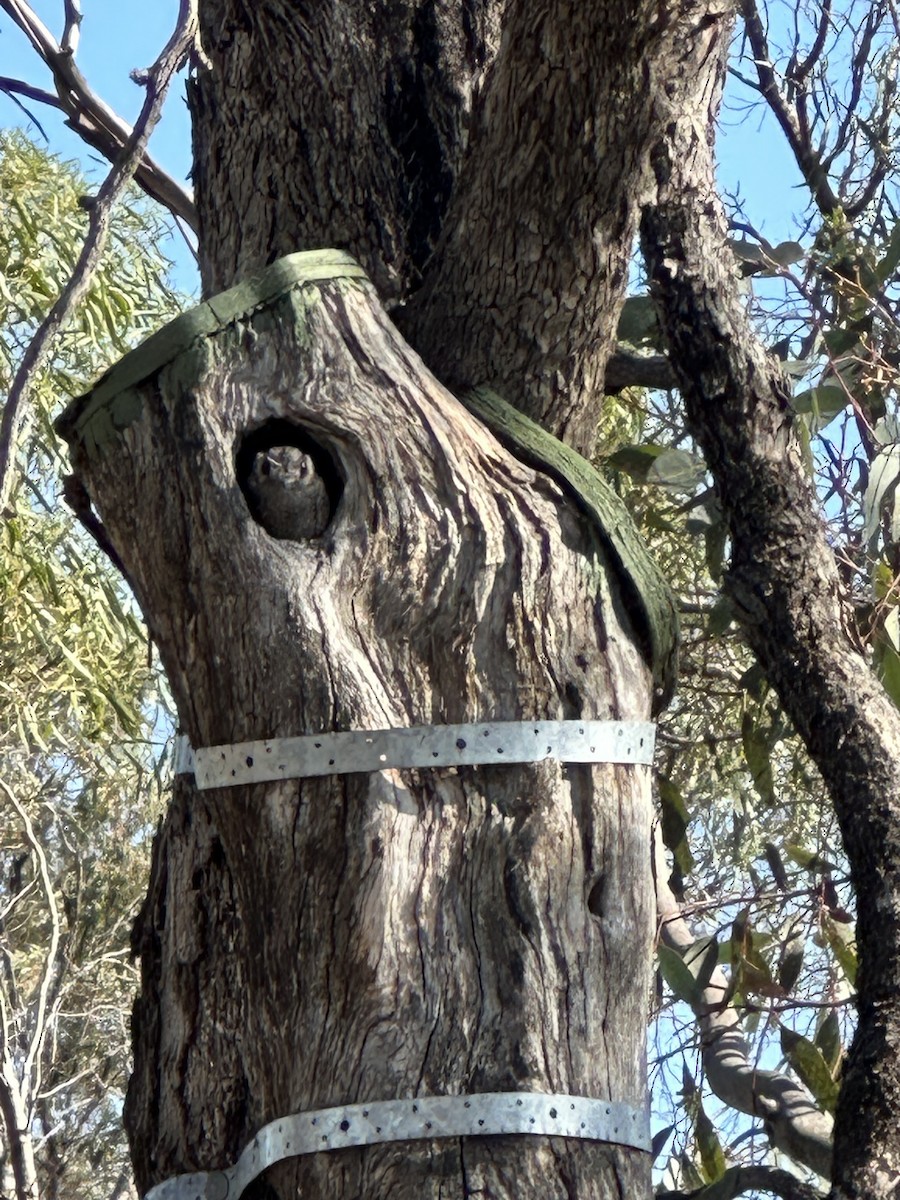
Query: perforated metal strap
(494, 742)
(488, 1113)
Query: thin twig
(158, 79)
(31, 1066)
(807, 158)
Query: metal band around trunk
(494, 742)
(488, 1113)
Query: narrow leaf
(806, 1059)
(757, 752)
(842, 940)
(828, 1040)
(712, 1157)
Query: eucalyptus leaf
(842, 940)
(635, 460)
(890, 260)
(721, 617)
(840, 340)
(678, 470)
(828, 1040)
(674, 823)
(757, 752)
(791, 964)
(887, 658)
(712, 1156)
(822, 403)
(809, 860)
(807, 1060)
(688, 974)
(881, 493)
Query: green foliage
(689, 973)
(42, 225)
(80, 730)
(808, 1061)
(755, 853)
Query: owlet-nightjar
(288, 494)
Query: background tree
(80, 774)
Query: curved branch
(793, 1123)
(800, 73)
(88, 116)
(737, 1181)
(783, 581)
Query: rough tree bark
(374, 936)
(407, 933)
(411, 933)
(397, 934)
(784, 584)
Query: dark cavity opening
(251, 474)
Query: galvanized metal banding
(494, 742)
(428, 1117)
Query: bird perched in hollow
(288, 496)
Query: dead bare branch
(92, 119)
(157, 83)
(738, 1181)
(31, 1065)
(807, 158)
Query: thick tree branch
(525, 288)
(15, 1118)
(783, 582)
(793, 1123)
(89, 117)
(43, 344)
(505, 177)
(738, 1181)
(377, 184)
(72, 29)
(627, 368)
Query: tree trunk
(490, 185)
(375, 936)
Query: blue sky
(119, 35)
